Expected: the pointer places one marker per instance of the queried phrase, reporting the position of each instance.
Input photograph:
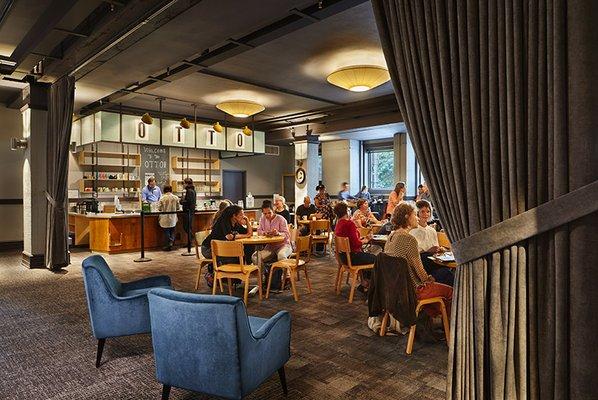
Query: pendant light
(147, 119)
(246, 131)
(217, 127)
(240, 108)
(185, 124)
(359, 78)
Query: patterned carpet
(47, 350)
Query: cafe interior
(267, 199)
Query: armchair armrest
(152, 281)
(281, 321)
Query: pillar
(405, 163)
(306, 157)
(35, 130)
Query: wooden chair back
(225, 248)
(443, 240)
(342, 245)
(363, 232)
(303, 245)
(319, 225)
(200, 236)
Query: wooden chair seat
(293, 266)
(236, 268)
(419, 307)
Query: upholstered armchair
(208, 344)
(115, 308)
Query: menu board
(154, 162)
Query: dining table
(446, 259)
(259, 240)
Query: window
(380, 169)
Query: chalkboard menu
(154, 162)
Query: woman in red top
(346, 228)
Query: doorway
(234, 185)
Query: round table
(260, 240)
(379, 240)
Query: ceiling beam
(264, 85)
(38, 32)
(285, 25)
(69, 32)
(5, 6)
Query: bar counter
(121, 233)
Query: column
(405, 163)
(35, 129)
(306, 157)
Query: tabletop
(261, 239)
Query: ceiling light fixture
(185, 124)
(359, 78)
(147, 119)
(240, 108)
(246, 131)
(217, 127)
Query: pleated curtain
(60, 115)
(499, 99)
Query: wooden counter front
(121, 233)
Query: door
(233, 185)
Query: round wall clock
(300, 175)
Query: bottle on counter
(249, 203)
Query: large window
(381, 169)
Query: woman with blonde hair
(395, 197)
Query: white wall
(11, 177)
(340, 163)
(264, 172)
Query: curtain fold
(61, 101)
(500, 105)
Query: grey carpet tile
(47, 350)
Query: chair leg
(221, 286)
(165, 392)
(307, 279)
(445, 322)
(259, 283)
(410, 339)
(338, 278)
(353, 284)
(198, 276)
(384, 324)
(101, 343)
(269, 281)
(294, 288)
(283, 380)
(246, 289)
(229, 282)
(214, 284)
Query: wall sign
(155, 162)
(178, 134)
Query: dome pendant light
(217, 127)
(359, 78)
(240, 108)
(246, 131)
(185, 124)
(147, 119)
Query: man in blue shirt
(151, 193)
(344, 193)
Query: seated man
(344, 193)
(303, 212)
(274, 224)
(427, 243)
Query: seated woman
(364, 194)
(281, 208)
(363, 217)
(346, 228)
(427, 243)
(274, 224)
(401, 244)
(232, 224)
(221, 207)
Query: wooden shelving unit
(205, 172)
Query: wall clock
(300, 175)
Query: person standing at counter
(168, 202)
(151, 193)
(189, 201)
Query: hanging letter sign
(141, 133)
(178, 134)
(240, 140)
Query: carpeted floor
(47, 350)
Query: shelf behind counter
(121, 233)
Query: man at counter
(151, 193)
(189, 201)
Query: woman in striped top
(401, 244)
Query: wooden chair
(322, 225)
(201, 260)
(230, 271)
(342, 246)
(294, 265)
(443, 240)
(420, 305)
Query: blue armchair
(115, 308)
(208, 344)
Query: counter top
(127, 215)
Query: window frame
(367, 150)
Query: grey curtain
(499, 98)
(60, 115)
